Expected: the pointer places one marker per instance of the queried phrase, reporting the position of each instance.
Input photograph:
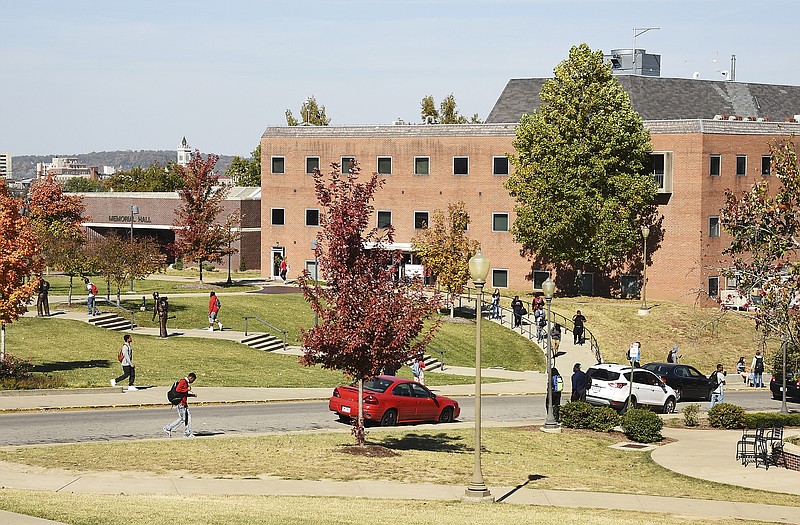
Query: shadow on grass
(430, 442)
(60, 366)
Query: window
(312, 217)
(587, 283)
(732, 282)
(657, 169)
(766, 165)
(384, 219)
(278, 216)
(499, 278)
(661, 170)
(312, 163)
(715, 164)
(629, 286)
(499, 166)
(420, 220)
(713, 287)
(278, 165)
(499, 222)
(741, 165)
(539, 276)
(460, 165)
(384, 165)
(346, 162)
(713, 226)
(422, 165)
(311, 268)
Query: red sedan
(391, 400)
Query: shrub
(726, 415)
(769, 419)
(15, 368)
(603, 419)
(577, 414)
(642, 425)
(242, 265)
(207, 267)
(691, 415)
(177, 265)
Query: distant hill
(24, 166)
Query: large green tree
(311, 113)
(152, 178)
(447, 112)
(246, 172)
(581, 188)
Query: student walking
(495, 304)
(558, 387)
(578, 384)
(213, 312)
(757, 368)
(184, 387)
(128, 368)
(91, 293)
(718, 382)
(555, 335)
(418, 370)
(519, 310)
(578, 319)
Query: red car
(391, 400)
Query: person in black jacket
(578, 384)
(518, 308)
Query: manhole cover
(633, 445)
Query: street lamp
(643, 309)
(550, 424)
(477, 490)
(229, 281)
(314, 245)
(134, 211)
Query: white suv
(610, 384)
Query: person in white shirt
(718, 394)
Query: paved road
(144, 423)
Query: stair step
(265, 342)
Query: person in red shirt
(213, 312)
(184, 387)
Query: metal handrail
(440, 352)
(283, 332)
(118, 305)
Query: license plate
(345, 409)
(595, 388)
(780, 389)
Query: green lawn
(59, 285)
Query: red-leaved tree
(368, 317)
(199, 237)
(19, 260)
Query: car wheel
(669, 405)
(632, 404)
(389, 418)
(447, 415)
(777, 396)
(678, 394)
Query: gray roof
(658, 98)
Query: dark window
(312, 163)
(499, 222)
(419, 390)
(422, 166)
(384, 165)
(713, 287)
(741, 165)
(602, 374)
(377, 384)
(278, 218)
(766, 165)
(347, 164)
(539, 276)
(384, 219)
(713, 226)
(629, 286)
(657, 169)
(402, 390)
(420, 220)
(499, 278)
(312, 217)
(278, 165)
(499, 166)
(460, 165)
(715, 165)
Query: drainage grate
(633, 445)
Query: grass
(59, 285)
(511, 456)
(143, 509)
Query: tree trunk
(360, 434)
(201, 270)
(2, 342)
(118, 293)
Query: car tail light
(618, 385)
(370, 400)
(336, 392)
(774, 378)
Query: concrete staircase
(111, 321)
(266, 342)
(431, 363)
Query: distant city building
(5, 166)
(65, 168)
(184, 153)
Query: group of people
(754, 376)
(580, 383)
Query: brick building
(707, 136)
(111, 213)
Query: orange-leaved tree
(368, 317)
(19, 261)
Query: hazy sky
(87, 75)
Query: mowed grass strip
(59, 285)
(144, 509)
(569, 461)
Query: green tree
(447, 112)
(445, 249)
(312, 114)
(581, 189)
(246, 172)
(83, 185)
(155, 177)
(119, 260)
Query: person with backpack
(717, 379)
(672, 356)
(418, 370)
(125, 357)
(757, 368)
(558, 387)
(213, 312)
(183, 391)
(91, 293)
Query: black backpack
(173, 395)
(714, 380)
(759, 364)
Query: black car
(792, 386)
(687, 381)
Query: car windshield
(377, 384)
(602, 374)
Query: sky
(78, 76)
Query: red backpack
(93, 288)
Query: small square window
(312, 217)
(713, 287)
(347, 163)
(539, 277)
(420, 220)
(499, 278)
(422, 166)
(278, 216)
(715, 165)
(384, 219)
(312, 163)
(587, 283)
(499, 222)
(278, 165)
(741, 165)
(384, 165)
(766, 165)
(732, 283)
(499, 165)
(629, 286)
(713, 226)
(460, 165)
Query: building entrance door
(277, 254)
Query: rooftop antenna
(639, 31)
(733, 68)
